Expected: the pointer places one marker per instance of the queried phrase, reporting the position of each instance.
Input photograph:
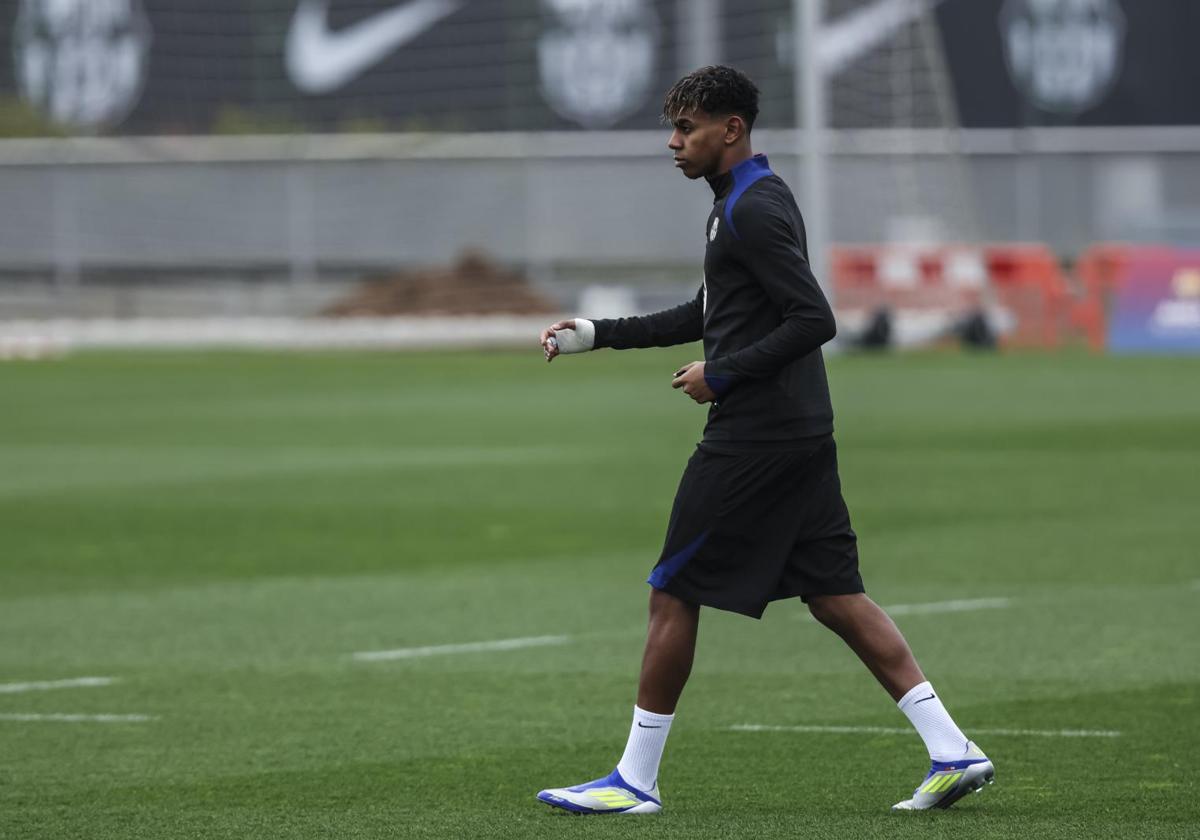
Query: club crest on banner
(1063, 55)
(596, 58)
(82, 63)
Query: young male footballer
(759, 514)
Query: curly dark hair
(715, 89)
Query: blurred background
(1021, 172)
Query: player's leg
(670, 649)
(666, 664)
(870, 633)
(712, 555)
(958, 766)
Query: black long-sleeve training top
(761, 314)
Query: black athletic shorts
(753, 527)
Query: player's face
(697, 141)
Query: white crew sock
(933, 723)
(643, 751)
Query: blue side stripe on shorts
(668, 568)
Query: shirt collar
(724, 183)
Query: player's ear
(735, 129)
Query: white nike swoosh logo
(319, 60)
(856, 33)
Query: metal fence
(562, 206)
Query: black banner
(1073, 62)
(228, 66)
(240, 66)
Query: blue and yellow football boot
(610, 795)
(950, 781)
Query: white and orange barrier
(1021, 287)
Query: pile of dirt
(473, 286)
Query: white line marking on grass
(78, 682)
(961, 605)
(824, 730)
(897, 730)
(468, 647)
(1053, 733)
(69, 718)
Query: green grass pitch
(220, 532)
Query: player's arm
(771, 250)
(679, 325)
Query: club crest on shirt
(712, 231)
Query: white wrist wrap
(579, 340)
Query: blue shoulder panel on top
(745, 174)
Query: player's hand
(690, 378)
(550, 348)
